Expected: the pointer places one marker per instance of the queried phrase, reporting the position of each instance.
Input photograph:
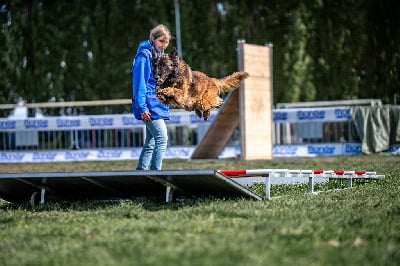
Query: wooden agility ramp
(249, 107)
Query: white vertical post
(268, 186)
(42, 194)
(178, 27)
(169, 194)
(350, 182)
(311, 183)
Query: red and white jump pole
(268, 173)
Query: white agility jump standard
(240, 176)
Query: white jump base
(286, 176)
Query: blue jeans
(155, 145)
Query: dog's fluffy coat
(179, 86)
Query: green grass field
(360, 226)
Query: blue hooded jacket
(143, 85)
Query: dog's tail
(231, 82)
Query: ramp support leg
(268, 186)
(42, 194)
(169, 194)
(311, 184)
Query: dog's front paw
(198, 113)
(168, 91)
(206, 114)
(162, 98)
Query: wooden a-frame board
(249, 107)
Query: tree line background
(83, 50)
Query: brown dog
(179, 86)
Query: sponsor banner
(311, 150)
(62, 123)
(101, 155)
(173, 153)
(181, 118)
(14, 157)
(88, 155)
(327, 114)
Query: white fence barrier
(180, 118)
(101, 137)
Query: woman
(145, 105)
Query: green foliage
(297, 63)
(323, 50)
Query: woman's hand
(146, 116)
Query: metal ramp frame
(154, 185)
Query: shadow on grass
(93, 205)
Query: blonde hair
(158, 31)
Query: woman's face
(161, 43)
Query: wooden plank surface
(255, 103)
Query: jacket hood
(147, 46)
